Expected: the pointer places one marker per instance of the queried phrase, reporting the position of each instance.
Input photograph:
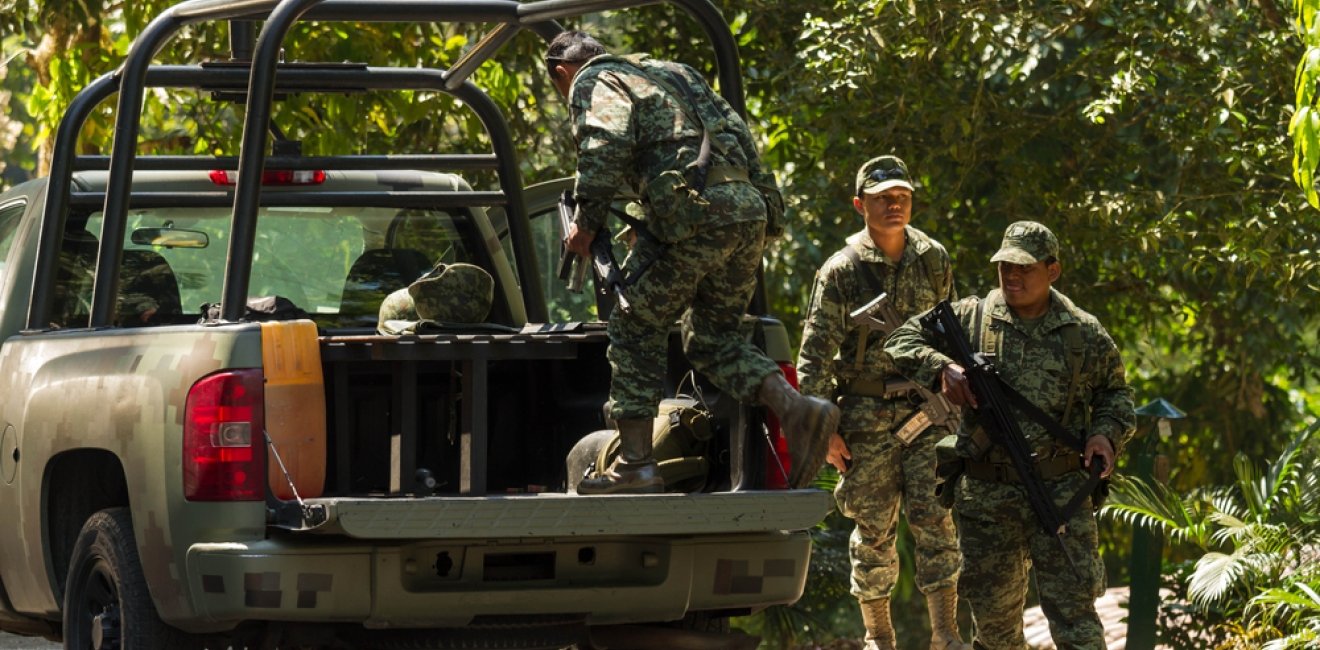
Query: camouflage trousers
(884, 476)
(1002, 540)
(706, 280)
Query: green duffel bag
(680, 438)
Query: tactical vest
(988, 340)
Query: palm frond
(1304, 640)
(1249, 489)
(1154, 505)
(1215, 575)
(1303, 599)
(1294, 610)
(1284, 465)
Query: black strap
(873, 283)
(1042, 418)
(978, 326)
(1051, 426)
(699, 168)
(868, 274)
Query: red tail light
(777, 460)
(223, 438)
(273, 177)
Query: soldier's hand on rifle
(579, 241)
(954, 385)
(1098, 445)
(838, 454)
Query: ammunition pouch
(676, 208)
(888, 389)
(949, 466)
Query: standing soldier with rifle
(657, 128)
(1046, 410)
(885, 446)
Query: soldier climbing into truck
(709, 205)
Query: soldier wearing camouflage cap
(447, 294)
(639, 124)
(1061, 359)
(843, 361)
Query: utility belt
(1048, 468)
(893, 388)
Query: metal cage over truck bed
(267, 77)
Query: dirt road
(11, 642)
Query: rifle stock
(1003, 428)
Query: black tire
(106, 602)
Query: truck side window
(75, 277)
(10, 216)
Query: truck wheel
(106, 602)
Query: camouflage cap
(453, 293)
(1027, 242)
(881, 173)
(397, 306)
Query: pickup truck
(180, 468)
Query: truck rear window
(335, 263)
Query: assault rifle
(573, 270)
(1003, 429)
(881, 316)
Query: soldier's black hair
(572, 47)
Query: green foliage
(1259, 542)
(1144, 133)
(1305, 124)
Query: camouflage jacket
(1033, 358)
(629, 130)
(921, 278)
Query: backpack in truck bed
(680, 438)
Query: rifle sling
(1062, 435)
(701, 166)
(1042, 418)
(876, 287)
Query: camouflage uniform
(883, 470)
(999, 533)
(629, 130)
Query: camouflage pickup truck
(181, 468)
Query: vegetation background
(1153, 136)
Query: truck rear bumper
(566, 515)
(448, 583)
